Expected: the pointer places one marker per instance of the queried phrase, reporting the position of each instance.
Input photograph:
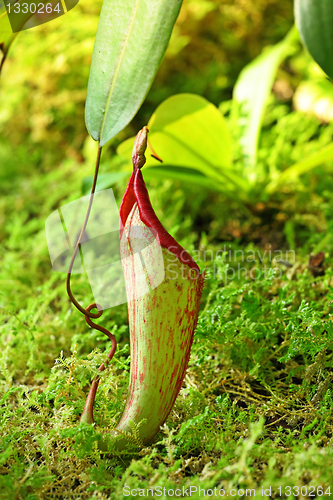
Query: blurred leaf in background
(251, 93)
(43, 88)
(44, 81)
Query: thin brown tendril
(103, 330)
(88, 411)
(86, 312)
(87, 415)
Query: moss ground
(255, 409)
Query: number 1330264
(305, 491)
(39, 8)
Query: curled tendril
(88, 411)
(103, 330)
(78, 306)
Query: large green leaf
(187, 175)
(188, 131)
(314, 19)
(251, 93)
(196, 129)
(131, 39)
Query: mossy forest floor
(255, 409)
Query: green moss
(255, 409)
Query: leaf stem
(87, 415)
(86, 312)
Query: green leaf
(314, 19)
(131, 39)
(187, 175)
(192, 130)
(20, 22)
(6, 32)
(188, 131)
(290, 174)
(251, 93)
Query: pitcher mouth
(136, 192)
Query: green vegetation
(263, 348)
(194, 142)
(255, 409)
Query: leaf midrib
(135, 10)
(211, 167)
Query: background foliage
(256, 405)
